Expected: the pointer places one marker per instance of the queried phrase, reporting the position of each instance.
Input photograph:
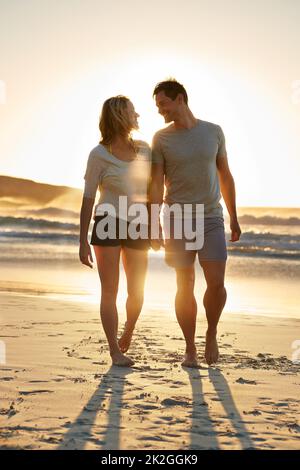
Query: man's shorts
(138, 244)
(213, 249)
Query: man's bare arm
(156, 193)
(227, 187)
(156, 190)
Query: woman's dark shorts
(138, 244)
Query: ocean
(264, 237)
(39, 256)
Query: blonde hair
(114, 119)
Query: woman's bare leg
(135, 266)
(108, 260)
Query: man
(189, 158)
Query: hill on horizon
(21, 193)
(43, 199)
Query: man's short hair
(171, 88)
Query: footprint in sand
(174, 402)
(9, 336)
(8, 412)
(38, 381)
(146, 407)
(151, 438)
(78, 380)
(294, 427)
(244, 381)
(34, 392)
(11, 411)
(254, 413)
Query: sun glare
(63, 123)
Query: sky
(238, 59)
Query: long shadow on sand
(233, 414)
(81, 430)
(203, 434)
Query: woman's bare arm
(85, 252)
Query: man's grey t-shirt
(190, 164)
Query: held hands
(85, 254)
(235, 229)
(156, 244)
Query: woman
(118, 166)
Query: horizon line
(264, 206)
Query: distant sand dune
(24, 194)
(19, 192)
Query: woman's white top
(117, 178)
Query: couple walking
(187, 164)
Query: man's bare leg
(214, 300)
(186, 312)
(135, 266)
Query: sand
(59, 390)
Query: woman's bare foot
(190, 359)
(211, 347)
(118, 359)
(125, 340)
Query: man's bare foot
(118, 359)
(125, 340)
(211, 348)
(190, 359)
